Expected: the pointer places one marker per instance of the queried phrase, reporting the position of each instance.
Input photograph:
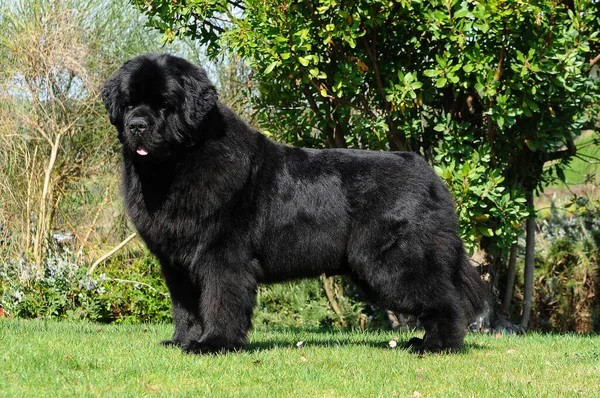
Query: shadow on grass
(335, 338)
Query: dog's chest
(169, 214)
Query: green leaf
(351, 42)
(463, 12)
(560, 173)
(304, 61)
(500, 121)
(270, 68)
(488, 232)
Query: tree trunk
(529, 263)
(510, 278)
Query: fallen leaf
(299, 344)
(303, 359)
(417, 394)
(511, 351)
(498, 335)
(150, 387)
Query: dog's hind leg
(426, 279)
(437, 308)
(445, 330)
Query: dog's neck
(209, 129)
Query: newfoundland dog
(223, 208)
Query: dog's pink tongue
(142, 151)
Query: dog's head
(158, 102)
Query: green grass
(584, 168)
(48, 358)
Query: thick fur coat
(224, 208)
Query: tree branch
(565, 153)
(110, 253)
(237, 4)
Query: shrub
(65, 290)
(567, 263)
(132, 290)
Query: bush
(293, 304)
(132, 290)
(66, 291)
(304, 303)
(567, 263)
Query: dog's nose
(137, 125)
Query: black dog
(223, 208)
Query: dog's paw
(199, 347)
(169, 343)
(423, 346)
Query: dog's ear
(111, 98)
(200, 96)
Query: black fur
(223, 208)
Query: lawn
(583, 168)
(49, 358)
(581, 176)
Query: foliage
(483, 205)
(502, 82)
(58, 158)
(66, 291)
(45, 88)
(46, 358)
(303, 304)
(567, 265)
(131, 289)
(293, 304)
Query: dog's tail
(474, 291)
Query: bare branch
(110, 253)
